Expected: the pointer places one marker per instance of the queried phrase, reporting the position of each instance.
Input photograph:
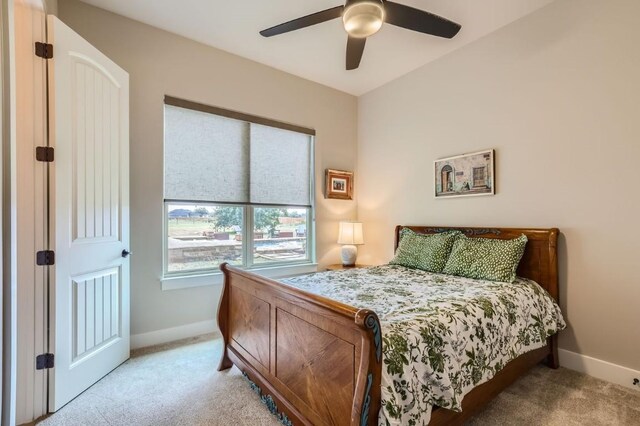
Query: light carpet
(178, 384)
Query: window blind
(205, 157)
(279, 166)
(213, 158)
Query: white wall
(557, 94)
(161, 63)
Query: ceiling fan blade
(305, 21)
(419, 20)
(355, 48)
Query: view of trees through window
(279, 234)
(204, 236)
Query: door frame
(4, 150)
(25, 198)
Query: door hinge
(44, 361)
(45, 258)
(44, 50)
(44, 153)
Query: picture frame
(338, 184)
(465, 175)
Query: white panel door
(89, 115)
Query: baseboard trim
(167, 335)
(599, 369)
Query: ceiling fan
(363, 18)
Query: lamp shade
(350, 233)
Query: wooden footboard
(314, 361)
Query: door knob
(126, 253)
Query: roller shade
(205, 157)
(279, 166)
(213, 158)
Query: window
(479, 176)
(237, 189)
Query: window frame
(182, 279)
(483, 169)
(248, 246)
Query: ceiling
(318, 53)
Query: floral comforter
(442, 335)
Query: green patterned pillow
(421, 251)
(485, 258)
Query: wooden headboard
(540, 259)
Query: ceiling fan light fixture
(363, 18)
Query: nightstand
(340, 267)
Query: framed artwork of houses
(465, 175)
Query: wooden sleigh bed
(316, 361)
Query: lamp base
(349, 254)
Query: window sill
(216, 278)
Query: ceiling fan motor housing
(350, 2)
(363, 18)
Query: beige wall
(51, 6)
(160, 63)
(557, 94)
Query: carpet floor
(177, 384)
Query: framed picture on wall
(465, 175)
(338, 184)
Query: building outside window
(237, 189)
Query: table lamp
(350, 235)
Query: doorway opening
(447, 179)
